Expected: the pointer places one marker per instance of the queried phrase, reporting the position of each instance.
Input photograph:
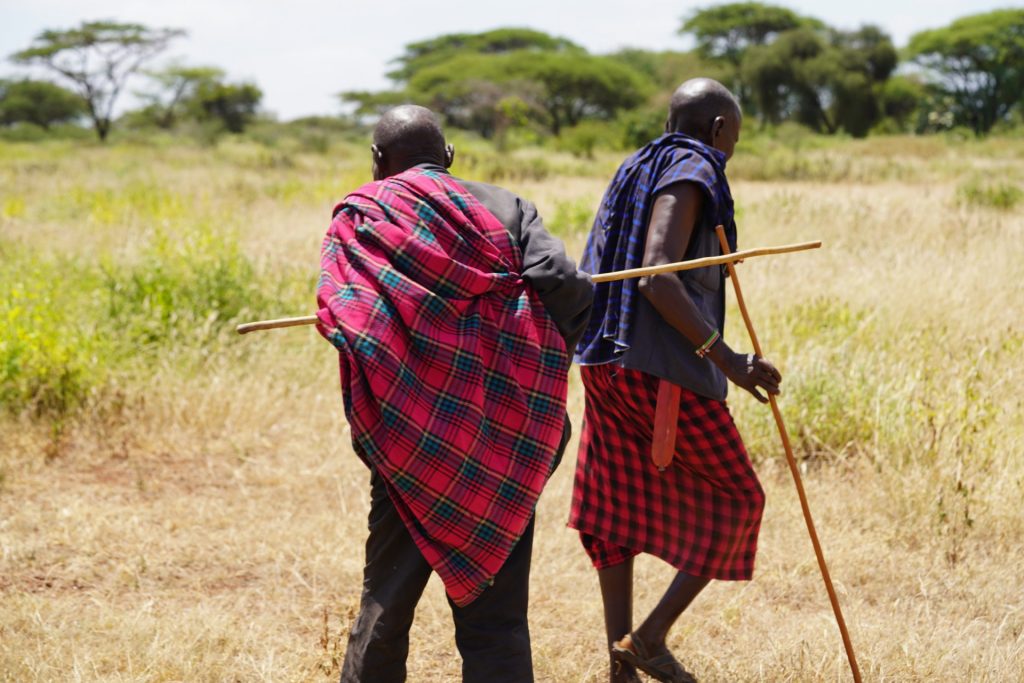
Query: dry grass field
(179, 504)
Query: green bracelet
(706, 346)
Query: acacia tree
(176, 85)
(560, 89)
(431, 52)
(97, 57)
(37, 102)
(903, 100)
(978, 61)
(232, 105)
(472, 91)
(370, 103)
(468, 100)
(725, 33)
(827, 80)
(491, 81)
(667, 69)
(579, 86)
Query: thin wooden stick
(793, 468)
(246, 328)
(703, 262)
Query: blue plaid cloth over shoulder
(617, 238)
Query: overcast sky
(303, 52)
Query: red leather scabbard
(666, 416)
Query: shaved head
(697, 102)
(704, 109)
(408, 135)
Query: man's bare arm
(675, 213)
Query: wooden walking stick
(792, 467)
(246, 328)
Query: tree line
(97, 59)
(783, 66)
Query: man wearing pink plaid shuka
(454, 312)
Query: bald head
(405, 136)
(697, 102)
(704, 109)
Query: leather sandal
(632, 676)
(661, 665)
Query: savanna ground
(180, 504)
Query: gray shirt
(659, 349)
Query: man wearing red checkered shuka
(702, 513)
(452, 309)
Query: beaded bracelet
(706, 346)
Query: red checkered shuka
(701, 514)
(453, 374)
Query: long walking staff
(792, 466)
(246, 328)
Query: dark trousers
(491, 632)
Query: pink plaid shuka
(453, 375)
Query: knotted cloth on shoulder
(453, 374)
(619, 234)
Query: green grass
(571, 217)
(152, 461)
(51, 352)
(853, 387)
(71, 327)
(1002, 195)
(181, 290)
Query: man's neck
(432, 166)
(416, 161)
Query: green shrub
(67, 329)
(30, 132)
(832, 395)
(51, 358)
(572, 217)
(582, 139)
(132, 202)
(996, 195)
(640, 126)
(852, 386)
(185, 288)
(492, 167)
(12, 207)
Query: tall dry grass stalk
(201, 516)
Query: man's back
(453, 372)
(451, 324)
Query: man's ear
(716, 128)
(449, 155)
(377, 168)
